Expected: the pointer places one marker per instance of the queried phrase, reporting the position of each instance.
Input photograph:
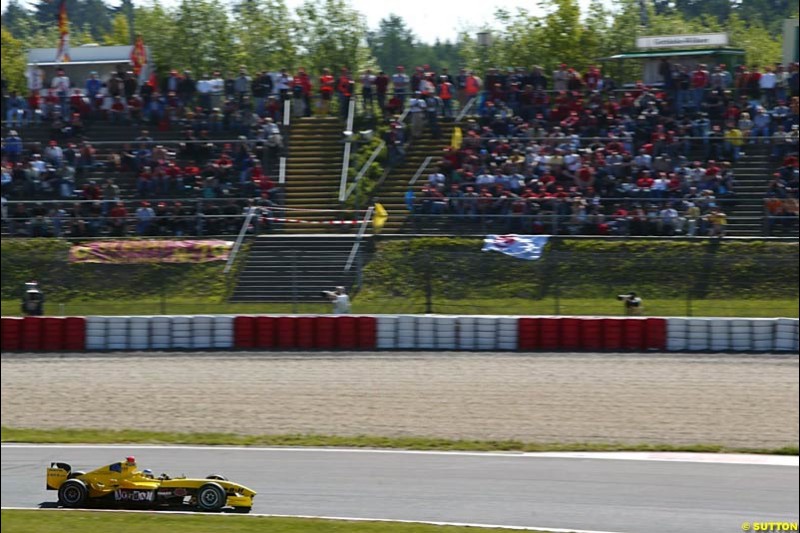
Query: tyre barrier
(11, 334)
(399, 332)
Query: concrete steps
(313, 171)
(295, 268)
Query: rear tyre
(218, 477)
(73, 493)
(211, 497)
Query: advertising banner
(150, 251)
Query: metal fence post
(294, 281)
(428, 288)
(558, 299)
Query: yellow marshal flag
(379, 218)
(456, 138)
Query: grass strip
(130, 436)
(371, 303)
(34, 521)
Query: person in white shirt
(368, 90)
(217, 86)
(767, 84)
(668, 218)
(61, 84)
(283, 84)
(400, 82)
(417, 107)
(340, 300)
(204, 92)
(435, 179)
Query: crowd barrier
(399, 332)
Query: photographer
(340, 299)
(633, 304)
(32, 300)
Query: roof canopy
(676, 53)
(82, 55)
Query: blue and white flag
(528, 247)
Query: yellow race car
(123, 484)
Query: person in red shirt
(645, 182)
(34, 101)
(699, 82)
(301, 88)
(381, 88)
(118, 112)
(592, 78)
(345, 87)
(326, 87)
(118, 219)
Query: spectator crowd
(566, 151)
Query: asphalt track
(656, 494)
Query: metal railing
(365, 167)
(359, 237)
(463, 112)
(347, 146)
(287, 117)
(420, 170)
(240, 239)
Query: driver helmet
(147, 473)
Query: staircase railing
(365, 167)
(463, 111)
(361, 231)
(287, 118)
(242, 233)
(420, 170)
(351, 112)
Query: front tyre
(211, 497)
(73, 493)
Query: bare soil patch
(747, 401)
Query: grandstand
(585, 160)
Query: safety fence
(398, 332)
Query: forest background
(206, 35)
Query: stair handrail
(462, 113)
(361, 231)
(242, 233)
(351, 111)
(287, 120)
(372, 157)
(420, 170)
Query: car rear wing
(57, 474)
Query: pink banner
(150, 251)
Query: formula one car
(122, 484)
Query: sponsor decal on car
(133, 495)
(180, 492)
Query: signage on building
(678, 41)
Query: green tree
(330, 33)
(393, 44)
(264, 35)
(203, 38)
(157, 25)
(12, 53)
(120, 31)
(18, 20)
(561, 31)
